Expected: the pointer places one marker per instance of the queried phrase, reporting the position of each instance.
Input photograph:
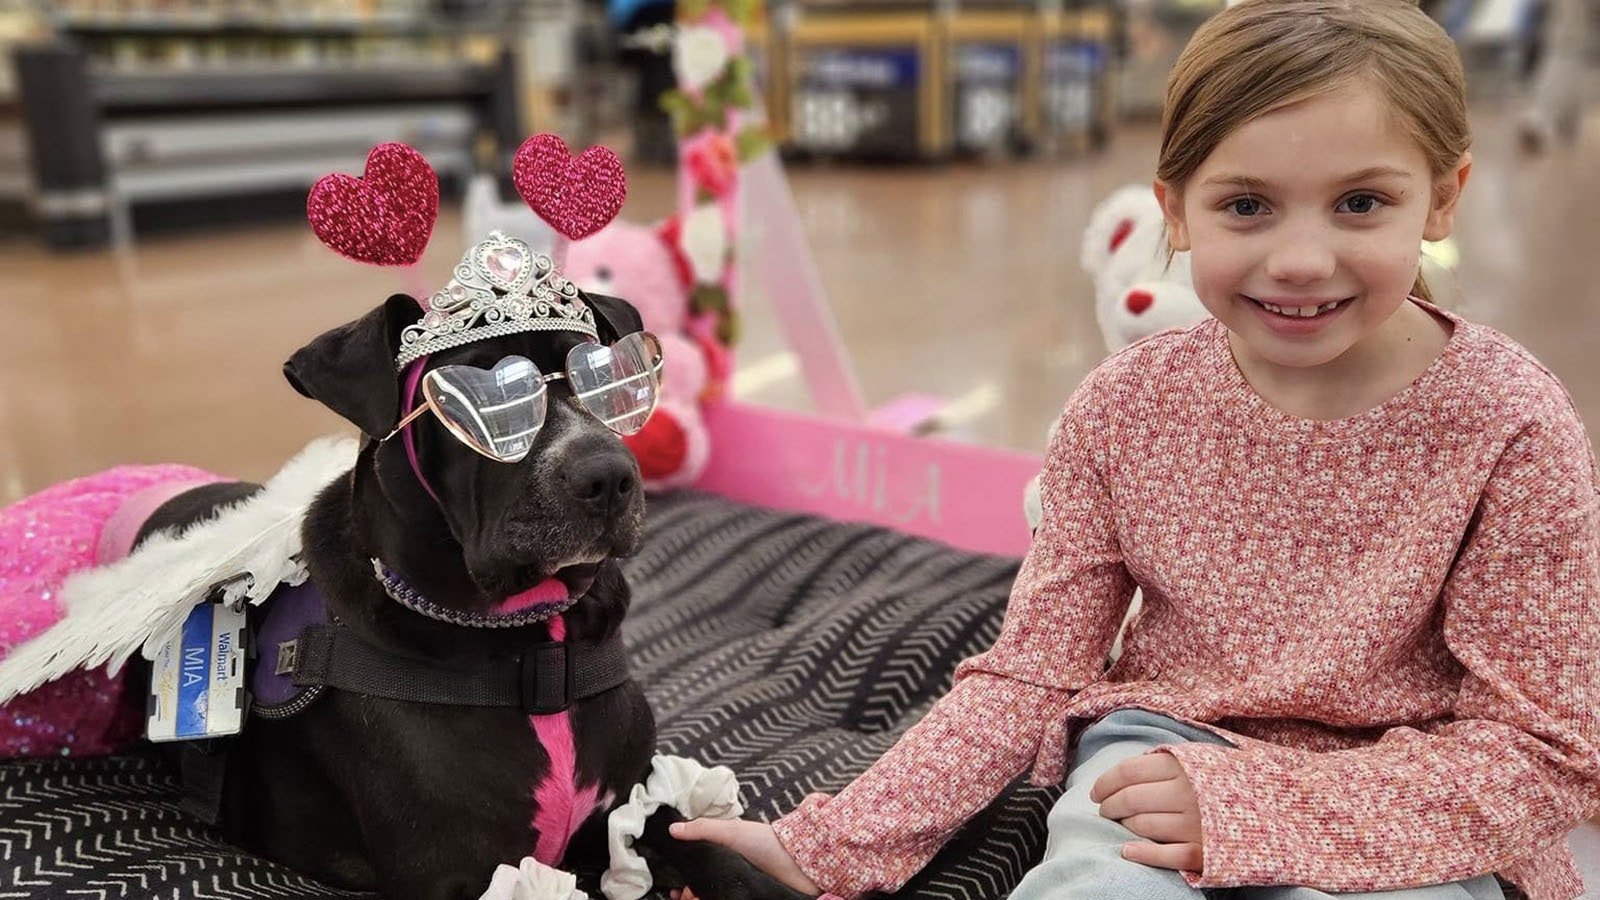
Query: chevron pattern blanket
(792, 649)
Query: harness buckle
(547, 679)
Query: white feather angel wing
(246, 549)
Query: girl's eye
(1361, 204)
(1245, 206)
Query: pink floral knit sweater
(1395, 617)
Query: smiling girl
(1367, 532)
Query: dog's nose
(603, 482)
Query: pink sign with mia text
(966, 496)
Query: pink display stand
(966, 496)
(790, 278)
(845, 462)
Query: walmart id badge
(197, 681)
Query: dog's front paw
(711, 871)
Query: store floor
(957, 281)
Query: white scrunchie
(683, 784)
(534, 881)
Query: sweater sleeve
(1516, 768)
(1007, 708)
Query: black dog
(423, 800)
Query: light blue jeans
(1083, 858)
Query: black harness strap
(298, 649)
(547, 678)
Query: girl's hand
(755, 841)
(1152, 797)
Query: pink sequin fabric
(1396, 618)
(386, 216)
(576, 196)
(44, 539)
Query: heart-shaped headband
(501, 286)
(386, 216)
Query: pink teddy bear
(644, 266)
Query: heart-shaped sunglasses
(498, 412)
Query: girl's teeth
(1304, 312)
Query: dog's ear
(351, 370)
(615, 315)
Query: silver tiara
(500, 287)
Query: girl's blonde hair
(1260, 55)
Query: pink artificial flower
(713, 162)
(717, 20)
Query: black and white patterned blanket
(793, 649)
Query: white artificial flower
(705, 242)
(698, 56)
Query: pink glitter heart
(386, 216)
(577, 197)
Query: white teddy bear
(1138, 291)
(1141, 286)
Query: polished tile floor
(958, 281)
